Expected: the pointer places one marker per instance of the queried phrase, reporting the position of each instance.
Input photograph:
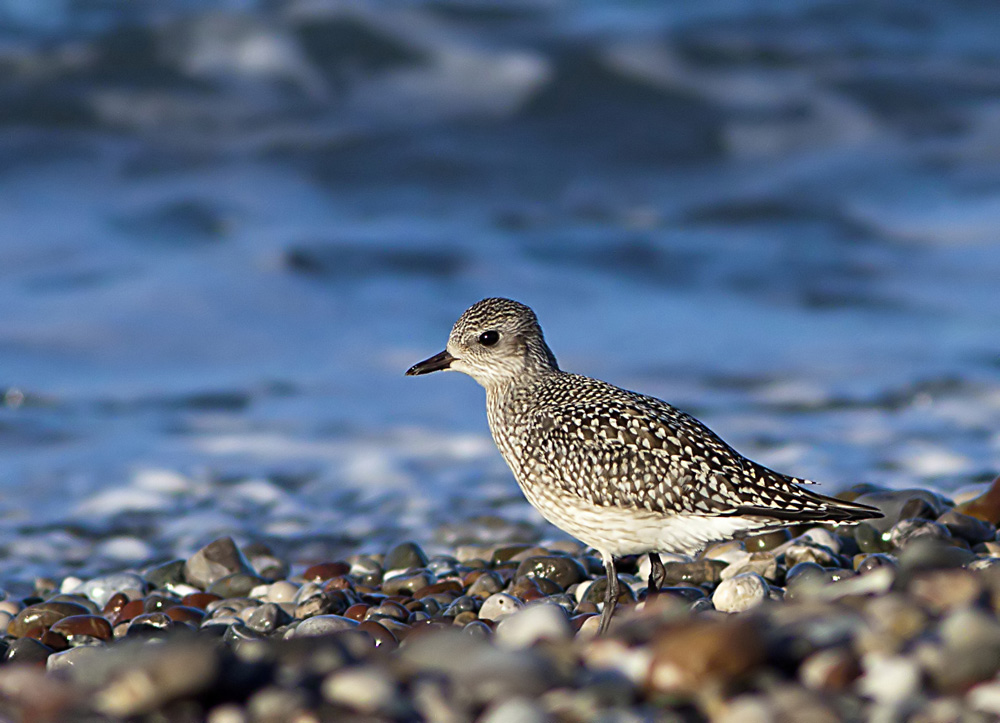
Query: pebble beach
(893, 620)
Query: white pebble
(281, 591)
(740, 592)
(891, 679)
(543, 621)
(499, 604)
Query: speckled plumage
(621, 471)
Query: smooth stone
(239, 584)
(486, 584)
(906, 531)
(26, 650)
(320, 625)
(832, 670)
(507, 552)
(889, 680)
(267, 618)
(165, 575)
(729, 551)
(947, 589)
(214, 561)
(892, 502)
(384, 638)
(869, 539)
(807, 574)
(149, 624)
(366, 570)
(498, 605)
(967, 527)
(138, 679)
(79, 656)
(43, 615)
(764, 564)
(867, 563)
(542, 621)
(810, 552)
(404, 556)
(325, 571)
(691, 654)
(86, 602)
(482, 672)
(823, 537)
(75, 626)
(698, 572)
(596, 589)
(564, 571)
(986, 506)
(928, 553)
(741, 592)
(281, 591)
(100, 589)
(186, 614)
(364, 689)
(407, 583)
(767, 541)
(269, 567)
(515, 710)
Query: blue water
(227, 228)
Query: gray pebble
(321, 625)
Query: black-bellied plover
(622, 472)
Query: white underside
(618, 531)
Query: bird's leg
(610, 595)
(657, 575)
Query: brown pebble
(697, 652)
(831, 670)
(383, 636)
(341, 582)
(185, 614)
(948, 589)
(325, 571)
(578, 620)
(522, 586)
(44, 615)
(54, 640)
(199, 599)
(984, 507)
(438, 587)
(129, 611)
(586, 608)
(114, 605)
(464, 618)
(356, 612)
(92, 626)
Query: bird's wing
(639, 452)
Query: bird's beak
(436, 363)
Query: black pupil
(489, 338)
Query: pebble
(496, 606)
(741, 592)
(764, 564)
(404, 556)
(321, 625)
(526, 627)
(859, 623)
(217, 559)
(563, 571)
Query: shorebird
(622, 472)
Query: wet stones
(215, 561)
(563, 571)
(404, 556)
(697, 572)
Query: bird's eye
(489, 338)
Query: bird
(624, 473)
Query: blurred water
(227, 228)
